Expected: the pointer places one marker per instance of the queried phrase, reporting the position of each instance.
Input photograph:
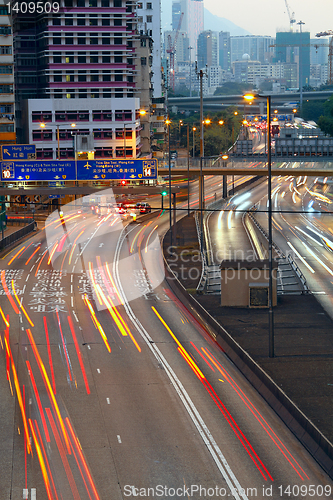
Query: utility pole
(200, 75)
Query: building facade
(259, 48)
(294, 47)
(192, 21)
(224, 50)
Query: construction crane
(292, 19)
(330, 55)
(172, 50)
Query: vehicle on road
(143, 207)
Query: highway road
(111, 389)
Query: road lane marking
(119, 439)
(27, 277)
(76, 318)
(108, 400)
(98, 370)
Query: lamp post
(270, 241)
(188, 169)
(43, 125)
(193, 143)
(168, 124)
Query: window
(82, 78)
(8, 70)
(117, 39)
(106, 59)
(68, 3)
(81, 39)
(3, 10)
(117, 3)
(149, 19)
(130, 61)
(105, 22)
(81, 59)
(149, 5)
(97, 115)
(140, 20)
(81, 22)
(68, 20)
(69, 59)
(140, 5)
(57, 59)
(106, 78)
(105, 39)
(143, 42)
(5, 30)
(95, 93)
(93, 21)
(143, 61)
(6, 89)
(93, 59)
(69, 40)
(82, 93)
(57, 78)
(56, 21)
(5, 49)
(69, 78)
(81, 3)
(94, 78)
(93, 40)
(84, 116)
(118, 59)
(92, 3)
(57, 40)
(118, 20)
(105, 3)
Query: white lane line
(119, 439)
(71, 278)
(23, 289)
(108, 400)
(73, 268)
(76, 318)
(197, 420)
(71, 288)
(72, 301)
(32, 268)
(98, 370)
(89, 347)
(27, 277)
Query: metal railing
(11, 238)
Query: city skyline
(259, 17)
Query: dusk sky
(264, 17)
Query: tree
(233, 88)
(325, 121)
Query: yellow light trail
(97, 323)
(20, 304)
(16, 255)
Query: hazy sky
(263, 17)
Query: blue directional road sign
(58, 170)
(38, 170)
(19, 152)
(116, 169)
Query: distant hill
(215, 23)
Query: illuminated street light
(168, 124)
(250, 97)
(43, 125)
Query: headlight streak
(4, 318)
(308, 235)
(113, 284)
(20, 304)
(277, 441)
(318, 260)
(293, 198)
(149, 236)
(238, 432)
(96, 322)
(41, 461)
(16, 255)
(93, 281)
(300, 257)
(64, 345)
(39, 403)
(31, 256)
(46, 460)
(229, 219)
(63, 454)
(52, 252)
(48, 386)
(40, 262)
(19, 395)
(79, 354)
(136, 236)
(78, 448)
(49, 353)
(219, 220)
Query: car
(143, 207)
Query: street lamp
(270, 242)
(168, 124)
(193, 130)
(43, 125)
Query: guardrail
(11, 238)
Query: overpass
(217, 102)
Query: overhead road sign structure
(116, 169)
(18, 152)
(71, 170)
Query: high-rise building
(259, 48)
(7, 113)
(149, 24)
(208, 49)
(294, 47)
(224, 50)
(82, 58)
(193, 19)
